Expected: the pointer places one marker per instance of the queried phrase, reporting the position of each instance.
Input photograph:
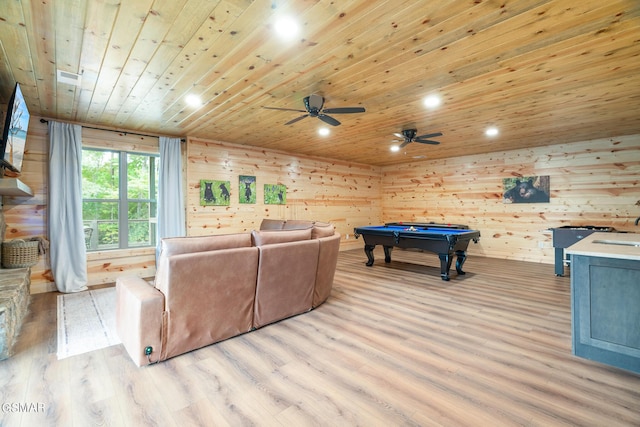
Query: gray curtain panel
(66, 233)
(171, 208)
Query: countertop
(589, 246)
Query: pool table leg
(462, 256)
(368, 249)
(387, 253)
(445, 265)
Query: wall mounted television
(14, 135)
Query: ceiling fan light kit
(409, 135)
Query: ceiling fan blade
(297, 119)
(404, 143)
(399, 135)
(284, 109)
(314, 102)
(344, 110)
(431, 135)
(426, 141)
(328, 119)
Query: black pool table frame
(445, 245)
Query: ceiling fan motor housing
(315, 108)
(409, 133)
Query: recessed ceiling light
(287, 27)
(432, 101)
(491, 131)
(324, 131)
(193, 100)
(395, 148)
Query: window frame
(123, 201)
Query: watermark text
(23, 407)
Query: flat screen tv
(14, 134)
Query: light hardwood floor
(393, 346)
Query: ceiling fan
(313, 108)
(409, 135)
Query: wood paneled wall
(345, 194)
(27, 216)
(592, 183)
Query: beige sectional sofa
(211, 288)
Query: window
(119, 199)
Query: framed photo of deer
(214, 193)
(247, 189)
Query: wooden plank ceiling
(542, 71)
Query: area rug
(86, 321)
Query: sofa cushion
(319, 229)
(268, 237)
(182, 245)
(297, 224)
(322, 229)
(272, 224)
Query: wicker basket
(18, 253)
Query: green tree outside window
(115, 182)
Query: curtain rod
(118, 131)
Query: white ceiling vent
(69, 78)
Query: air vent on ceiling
(69, 78)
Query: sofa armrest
(139, 318)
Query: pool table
(444, 241)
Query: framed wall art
(275, 194)
(247, 189)
(214, 193)
(526, 189)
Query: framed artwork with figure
(247, 189)
(214, 193)
(526, 189)
(275, 194)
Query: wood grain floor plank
(394, 345)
